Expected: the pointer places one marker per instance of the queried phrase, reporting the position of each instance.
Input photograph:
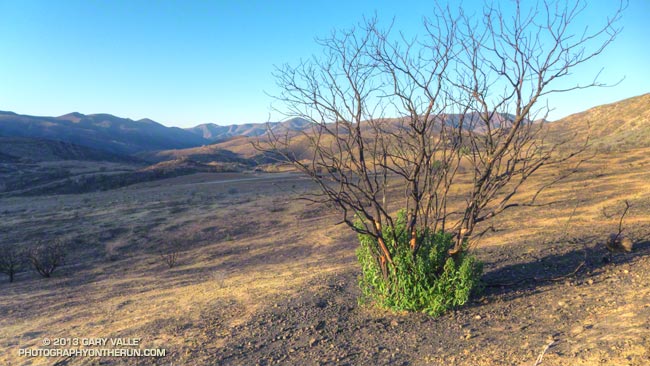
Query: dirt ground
(263, 278)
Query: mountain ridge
(216, 132)
(100, 131)
(623, 122)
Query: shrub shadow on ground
(530, 272)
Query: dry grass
(116, 284)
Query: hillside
(218, 134)
(100, 131)
(155, 142)
(100, 137)
(238, 150)
(621, 125)
(38, 165)
(23, 149)
(31, 167)
(242, 145)
(183, 166)
(206, 153)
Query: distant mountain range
(125, 136)
(624, 121)
(128, 137)
(100, 131)
(210, 131)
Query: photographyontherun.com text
(91, 347)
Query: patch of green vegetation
(428, 280)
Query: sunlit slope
(621, 125)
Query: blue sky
(187, 62)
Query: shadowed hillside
(30, 165)
(100, 131)
(38, 166)
(24, 149)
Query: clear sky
(182, 63)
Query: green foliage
(430, 281)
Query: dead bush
(47, 256)
(169, 254)
(12, 260)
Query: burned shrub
(47, 256)
(12, 260)
(170, 251)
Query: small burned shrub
(12, 260)
(169, 253)
(47, 256)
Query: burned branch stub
(618, 242)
